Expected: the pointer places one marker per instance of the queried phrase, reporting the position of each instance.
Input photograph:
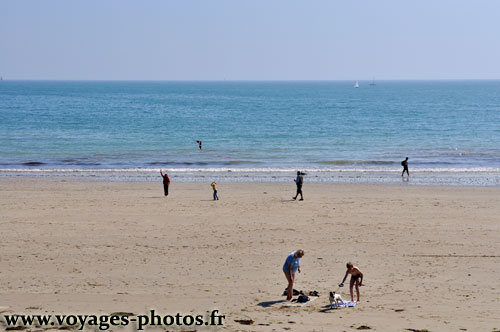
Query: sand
(430, 255)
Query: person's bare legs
(351, 285)
(357, 289)
(289, 277)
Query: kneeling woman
(291, 266)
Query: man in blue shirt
(291, 266)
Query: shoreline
(418, 177)
(205, 183)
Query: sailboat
(373, 82)
(356, 85)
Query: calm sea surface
(253, 131)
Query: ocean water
(253, 131)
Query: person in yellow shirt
(214, 187)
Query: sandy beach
(430, 255)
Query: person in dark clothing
(404, 163)
(299, 181)
(166, 182)
(199, 144)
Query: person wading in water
(404, 163)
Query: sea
(257, 131)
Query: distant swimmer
(199, 144)
(166, 182)
(299, 181)
(404, 163)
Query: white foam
(251, 170)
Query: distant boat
(356, 85)
(373, 82)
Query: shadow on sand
(268, 304)
(328, 308)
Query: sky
(249, 39)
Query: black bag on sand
(303, 299)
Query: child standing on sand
(214, 187)
(356, 279)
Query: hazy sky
(249, 39)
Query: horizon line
(247, 80)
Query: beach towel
(347, 304)
(296, 304)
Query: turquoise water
(261, 130)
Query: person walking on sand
(404, 163)
(214, 187)
(299, 181)
(166, 182)
(291, 266)
(356, 279)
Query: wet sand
(430, 255)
